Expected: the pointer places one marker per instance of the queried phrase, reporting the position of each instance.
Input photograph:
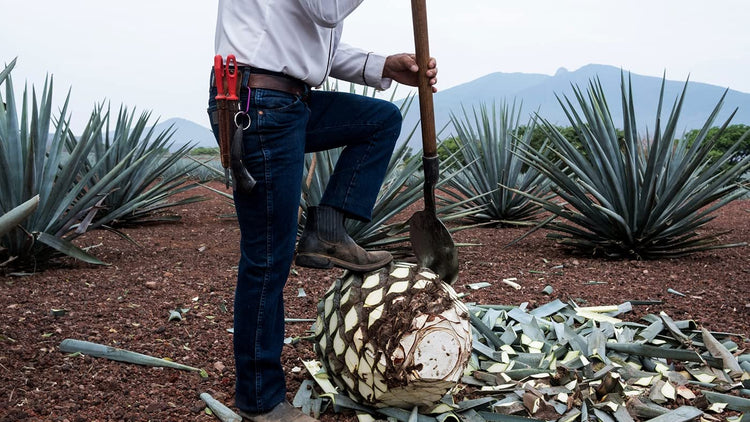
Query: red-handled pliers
(228, 71)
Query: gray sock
(330, 225)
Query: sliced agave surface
(396, 337)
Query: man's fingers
(404, 64)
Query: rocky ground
(192, 265)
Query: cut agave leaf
(719, 351)
(739, 404)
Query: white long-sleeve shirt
(299, 38)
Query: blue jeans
(283, 128)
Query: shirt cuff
(373, 72)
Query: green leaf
(120, 355)
(15, 216)
(68, 248)
(681, 414)
(5, 72)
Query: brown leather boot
(324, 243)
(283, 412)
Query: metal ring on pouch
(237, 123)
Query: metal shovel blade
(431, 241)
(433, 245)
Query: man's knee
(394, 114)
(392, 119)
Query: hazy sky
(156, 55)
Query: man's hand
(403, 69)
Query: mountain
(187, 132)
(537, 94)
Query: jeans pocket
(267, 99)
(279, 108)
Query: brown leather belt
(277, 83)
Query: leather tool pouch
(241, 178)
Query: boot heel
(311, 261)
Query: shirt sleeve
(329, 13)
(359, 66)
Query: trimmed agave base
(396, 337)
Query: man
(284, 48)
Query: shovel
(431, 241)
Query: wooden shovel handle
(422, 47)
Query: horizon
(537, 92)
(157, 55)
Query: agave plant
(146, 154)
(632, 199)
(33, 162)
(396, 337)
(488, 141)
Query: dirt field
(192, 264)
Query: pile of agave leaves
(562, 362)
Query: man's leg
(367, 128)
(274, 155)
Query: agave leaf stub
(405, 340)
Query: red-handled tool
(225, 116)
(230, 71)
(219, 77)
